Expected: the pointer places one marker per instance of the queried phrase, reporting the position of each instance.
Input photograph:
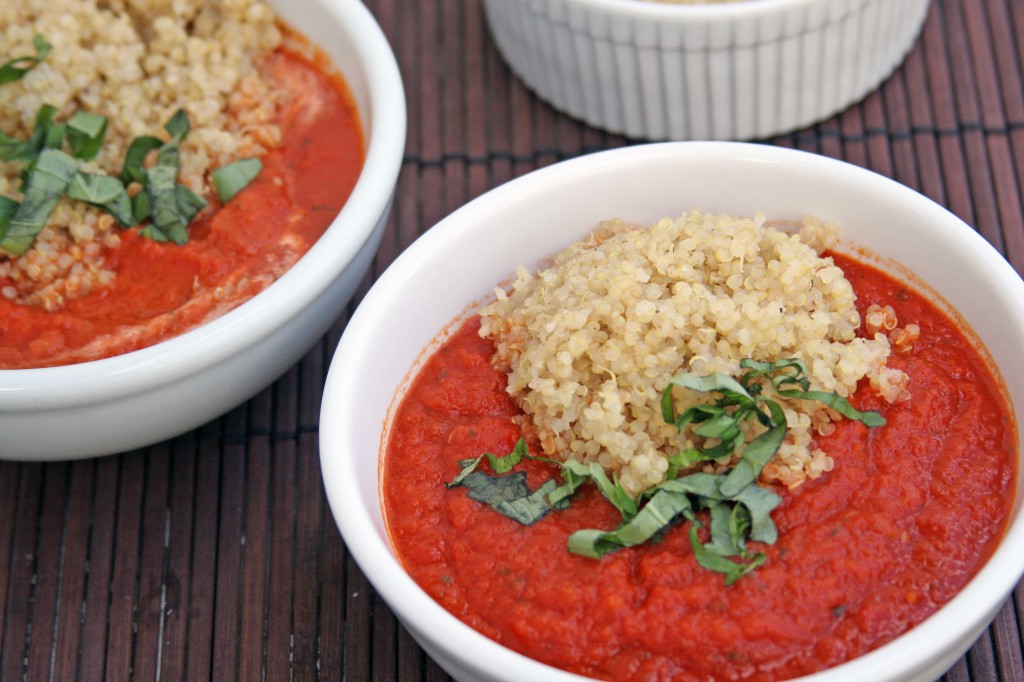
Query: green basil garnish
(46, 134)
(16, 68)
(179, 128)
(231, 179)
(653, 518)
(169, 216)
(131, 170)
(85, 133)
(50, 176)
(189, 203)
(8, 207)
(11, 148)
(508, 494)
(105, 192)
(494, 489)
(529, 508)
(793, 372)
(500, 465)
(46, 177)
(739, 510)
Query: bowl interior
(458, 262)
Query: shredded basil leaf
(499, 465)
(529, 508)
(11, 149)
(104, 191)
(660, 512)
(576, 473)
(169, 206)
(8, 207)
(720, 383)
(733, 570)
(168, 221)
(793, 371)
(509, 495)
(85, 134)
(231, 179)
(131, 170)
(16, 68)
(755, 455)
(178, 126)
(189, 203)
(682, 460)
(141, 208)
(45, 135)
(493, 489)
(48, 134)
(759, 503)
(50, 177)
(739, 510)
(839, 404)
(699, 484)
(504, 464)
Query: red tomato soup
(909, 513)
(234, 251)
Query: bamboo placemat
(214, 556)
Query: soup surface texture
(907, 515)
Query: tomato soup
(233, 252)
(909, 513)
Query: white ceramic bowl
(459, 261)
(727, 71)
(143, 397)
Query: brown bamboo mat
(214, 556)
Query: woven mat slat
(12, 575)
(27, 495)
(73, 583)
(1006, 637)
(44, 602)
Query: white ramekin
(727, 71)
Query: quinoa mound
(590, 343)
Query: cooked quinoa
(135, 62)
(590, 343)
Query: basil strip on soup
(738, 508)
(231, 179)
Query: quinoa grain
(590, 343)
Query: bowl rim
(384, 129)
(354, 508)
